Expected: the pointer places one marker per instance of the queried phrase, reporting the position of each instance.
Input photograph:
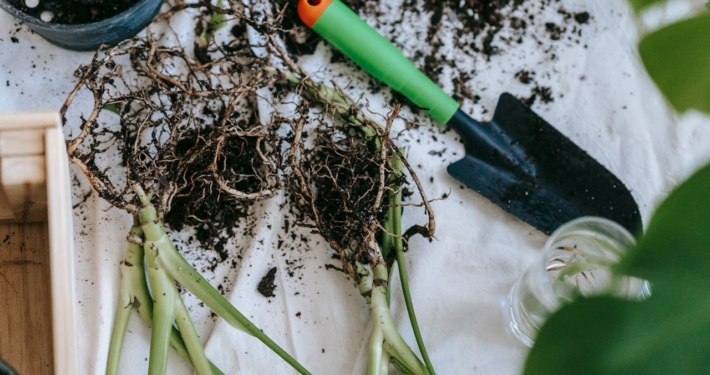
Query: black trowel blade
(537, 174)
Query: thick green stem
(384, 369)
(174, 264)
(191, 339)
(374, 361)
(126, 301)
(382, 317)
(387, 240)
(164, 299)
(400, 367)
(133, 271)
(365, 283)
(119, 333)
(134, 288)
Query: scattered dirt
(75, 12)
(582, 18)
(482, 29)
(266, 285)
(544, 93)
(525, 76)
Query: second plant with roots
(350, 183)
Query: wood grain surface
(25, 298)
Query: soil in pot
(72, 11)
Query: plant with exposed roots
(349, 184)
(185, 132)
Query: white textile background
(458, 281)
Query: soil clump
(75, 12)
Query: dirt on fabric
(487, 28)
(266, 286)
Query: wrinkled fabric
(458, 280)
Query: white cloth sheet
(458, 281)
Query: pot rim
(106, 22)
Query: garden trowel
(517, 160)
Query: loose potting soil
(75, 12)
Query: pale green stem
(164, 299)
(387, 243)
(387, 240)
(170, 260)
(399, 366)
(191, 339)
(188, 277)
(365, 284)
(342, 103)
(378, 359)
(374, 360)
(125, 302)
(381, 316)
(119, 333)
(135, 288)
(384, 369)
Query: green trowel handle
(344, 29)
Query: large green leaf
(641, 4)
(669, 333)
(677, 241)
(678, 59)
(606, 336)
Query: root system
(186, 130)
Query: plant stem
(164, 297)
(365, 284)
(342, 104)
(134, 293)
(374, 361)
(126, 302)
(174, 264)
(384, 369)
(399, 251)
(382, 317)
(123, 312)
(387, 243)
(144, 305)
(191, 339)
(188, 277)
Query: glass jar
(577, 261)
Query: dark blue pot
(89, 36)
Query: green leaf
(639, 5)
(111, 108)
(678, 59)
(676, 242)
(607, 336)
(217, 19)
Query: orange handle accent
(310, 10)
